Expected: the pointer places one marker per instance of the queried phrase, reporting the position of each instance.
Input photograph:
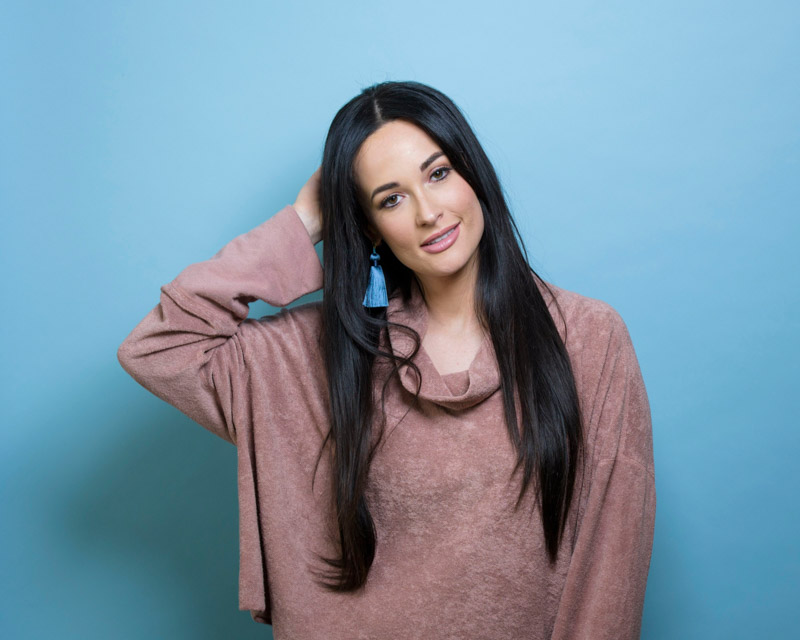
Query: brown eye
(446, 170)
(385, 203)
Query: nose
(428, 211)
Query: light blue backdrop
(649, 151)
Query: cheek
(464, 198)
(397, 236)
(471, 203)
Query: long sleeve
(189, 349)
(603, 596)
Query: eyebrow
(422, 167)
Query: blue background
(650, 155)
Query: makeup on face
(419, 205)
(443, 240)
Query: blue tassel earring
(376, 289)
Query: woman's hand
(308, 207)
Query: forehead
(398, 146)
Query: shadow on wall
(162, 509)
(667, 607)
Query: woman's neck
(451, 302)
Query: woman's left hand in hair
(308, 207)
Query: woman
(446, 446)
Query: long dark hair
(533, 361)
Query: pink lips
(444, 243)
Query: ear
(368, 229)
(372, 233)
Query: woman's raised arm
(189, 349)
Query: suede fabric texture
(453, 557)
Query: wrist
(311, 224)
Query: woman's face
(411, 196)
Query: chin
(450, 270)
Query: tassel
(376, 289)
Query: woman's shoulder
(595, 336)
(590, 318)
(608, 379)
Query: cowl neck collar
(483, 375)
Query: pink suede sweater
(453, 558)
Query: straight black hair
(533, 361)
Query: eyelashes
(385, 203)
